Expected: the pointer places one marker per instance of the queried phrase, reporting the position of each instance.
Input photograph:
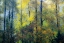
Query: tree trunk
(41, 21)
(4, 41)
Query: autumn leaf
(21, 4)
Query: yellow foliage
(31, 18)
(24, 24)
(51, 6)
(44, 32)
(17, 22)
(61, 3)
(60, 14)
(19, 6)
(18, 16)
(22, 4)
(25, 3)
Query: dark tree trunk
(4, 39)
(8, 27)
(59, 36)
(41, 21)
(57, 16)
(41, 14)
(12, 37)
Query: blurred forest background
(31, 21)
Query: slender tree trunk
(8, 27)
(58, 21)
(57, 11)
(4, 39)
(41, 13)
(36, 21)
(41, 21)
(12, 38)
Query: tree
(4, 41)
